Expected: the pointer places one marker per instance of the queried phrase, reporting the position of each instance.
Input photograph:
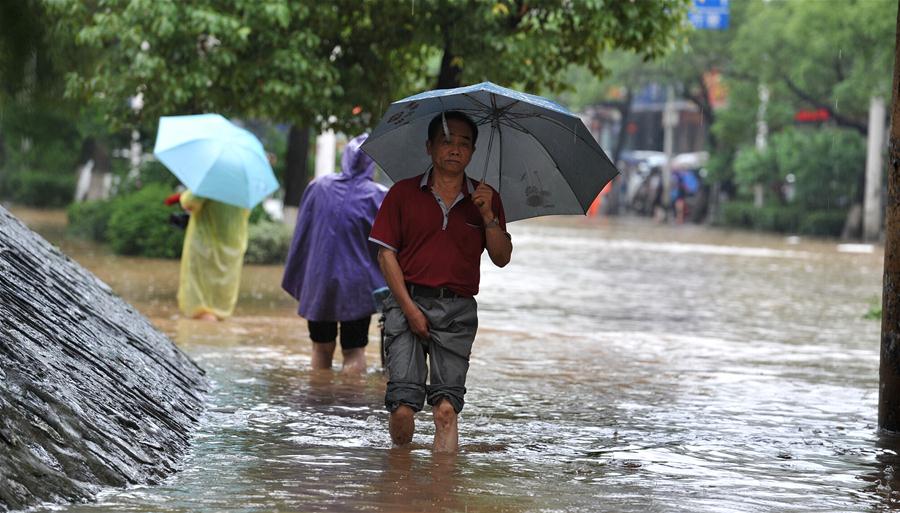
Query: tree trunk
(296, 168)
(450, 75)
(707, 115)
(2, 150)
(613, 203)
(624, 108)
(889, 373)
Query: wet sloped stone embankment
(91, 394)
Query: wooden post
(889, 374)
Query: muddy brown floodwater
(620, 367)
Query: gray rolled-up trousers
(452, 323)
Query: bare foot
(206, 316)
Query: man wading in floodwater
(432, 230)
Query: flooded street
(619, 367)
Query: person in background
(331, 269)
(212, 257)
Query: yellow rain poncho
(213, 254)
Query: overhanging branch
(839, 118)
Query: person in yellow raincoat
(211, 260)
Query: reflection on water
(620, 367)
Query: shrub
(784, 219)
(777, 218)
(825, 166)
(737, 213)
(874, 312)
(269, 243)
(828, 223)
(139, 225)
(828, 165)
(89, 219)
(38, 188)
(259, 215)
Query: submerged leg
(402, 425)
(322, 353)
(446, 432)
(354, 361)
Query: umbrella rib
(411, 121)
(492, 111)
(526, 131)
(487, 159)
(500, 157)
(573, 132)
(246, 177)
(518, 126)
(503, 111)
(510, 119)
(208, 173)
(477, 102)
(549, 157)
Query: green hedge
(827, 223)
(269, 243)
(132, 224)
(824, 165)
(139, 224)
(38, 188)
(89, 219)
(783, 219)
(767, 218)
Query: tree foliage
(531, 44)
(829, 55)
(809, 55)
(824, 164)
(242, 58)
(304, 60)
(41, 132)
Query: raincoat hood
(355, 163)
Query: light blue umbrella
(215, 158)
(539, 156)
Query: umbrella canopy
(215, 158)
(693, 160)
(539, 156)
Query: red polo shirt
(434, 250)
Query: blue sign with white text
(709, 14)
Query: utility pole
(762, 135)
(889, 373)
(669, 122)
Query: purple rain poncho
(331, 268)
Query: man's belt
(431, 292)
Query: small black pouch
(179, 219)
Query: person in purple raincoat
(331, 269)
